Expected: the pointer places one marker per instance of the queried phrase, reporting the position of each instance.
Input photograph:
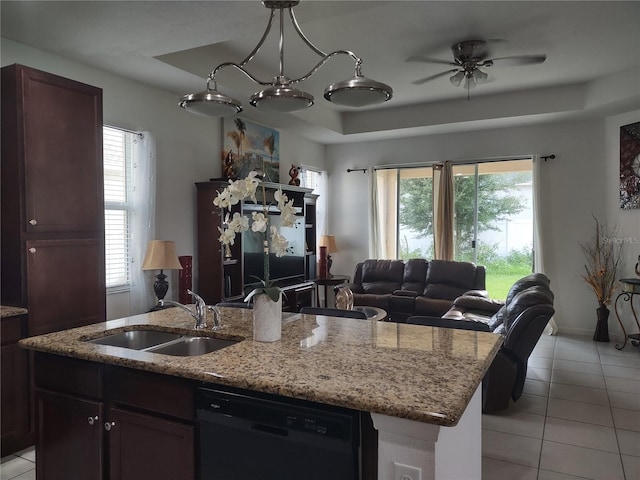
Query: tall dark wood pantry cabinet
(52, 199)
(52, 259)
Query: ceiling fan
(468, 58)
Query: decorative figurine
(293, 173)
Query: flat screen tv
(287, 267)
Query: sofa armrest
(354, 287)
(470, 302)
(476, 293)
(449, 323)
(405, 293)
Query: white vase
(267, 318)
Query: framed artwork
(630, 166)
(246, 147)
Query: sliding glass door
(493, 222)
(492, 217)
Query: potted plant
(603, 256)
(267, 299)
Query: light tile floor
(579, 418)
(19, 466)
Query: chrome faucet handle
(217, 317)
(201, 310)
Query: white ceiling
(173, 45)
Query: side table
(326, 282)
(630, 288)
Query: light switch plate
(406, 472)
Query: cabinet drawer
(151, 392)
(68, 375)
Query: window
(492, 224)
(117, 145)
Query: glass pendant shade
(479, 76)
(282, 99)
(456, 80)
(358, 92)
(210, 103)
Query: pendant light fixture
(280, 95)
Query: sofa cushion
(372, 300)
(415, 275)
(382, 276)
(532, 280)
(459, 274)
(432, 307)
(529, 297)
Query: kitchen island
(413, 380)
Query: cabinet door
(66, 284)
(14, 362)
(62, 144)
(69, 438)
(143, 446)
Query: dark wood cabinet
(106, 422)
(69, 438)
(16, 406)
(52, 208)
(221, 274)
(144, 446)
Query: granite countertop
(410, 371)
(9, 311)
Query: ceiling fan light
(456, 79)
(210, 103)
(479, 76)
(469, 82)
(281, 99)
(358, 91)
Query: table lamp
(329, 241)
(161, 255)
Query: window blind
(118, 207)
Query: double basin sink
(166, 343)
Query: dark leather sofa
(521, 320)
(415, 287)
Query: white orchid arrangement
(242, 189)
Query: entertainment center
(228, 275)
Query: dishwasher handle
(281, 432)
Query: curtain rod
(457, 162)
(140, 134)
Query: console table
(630, 288)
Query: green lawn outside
(498, 284)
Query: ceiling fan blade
(420, 58)
(517, 60)
(432, 77)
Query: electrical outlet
(406, 472)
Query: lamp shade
(329, 241)
(161, 255)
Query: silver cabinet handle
(32, 250)
(108, 425)
(33, 221)
(93, 420)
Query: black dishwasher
(264, 437)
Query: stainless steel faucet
(200, 314)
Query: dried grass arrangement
(603, 256)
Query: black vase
(602, 327)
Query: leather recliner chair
(520, 320)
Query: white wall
(580, 181)
(187, 147)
